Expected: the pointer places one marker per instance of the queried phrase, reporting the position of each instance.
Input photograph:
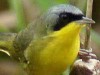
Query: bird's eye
(63, 16)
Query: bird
(52, 41)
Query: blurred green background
(15, 15)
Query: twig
(88, 27)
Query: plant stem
(88, 27)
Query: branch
(88, 27)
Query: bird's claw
(86, 54)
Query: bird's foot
(86, 54)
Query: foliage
(47, 3)
(17, 7)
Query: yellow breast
(61, 51)
(53, 56)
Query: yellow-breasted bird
(56, 40)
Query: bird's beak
(86, 20)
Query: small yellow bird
(51, 53)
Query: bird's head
(61, 15)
